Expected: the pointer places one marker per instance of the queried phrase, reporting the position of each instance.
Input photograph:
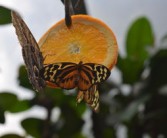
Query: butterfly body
(68, 75)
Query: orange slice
(88, 40)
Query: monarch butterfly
(68, 75)
(91, 97)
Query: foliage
(142, 111)
(139, 37)
(5, 16)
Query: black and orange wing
(92, 74)
(91, 97)
(64, 75)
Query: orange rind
(88, 40)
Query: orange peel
(88, 40)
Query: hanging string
(68, 12)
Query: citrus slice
(88, 40)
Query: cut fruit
(88, 40)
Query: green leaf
(33, 126)
(20, 106)
(10, 102)
(131, 69)
(7, 100)
(5, 15)
(72, 123)
(59, 98)
(2, 116)
(139, 38)
(158, 73)
(109, 132)
(23, 78)
(56, 95)
(11, 136)
(79, 135)
(80, 108)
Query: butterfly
(91, 97)
(30, 51)
(68, 75)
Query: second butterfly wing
(91, 97)
(64, 75)
(91, 74)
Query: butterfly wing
(30, 50)
(91, 97)
(64, 74)
(91, 74)
(69, 75)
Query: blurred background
(133, 103)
